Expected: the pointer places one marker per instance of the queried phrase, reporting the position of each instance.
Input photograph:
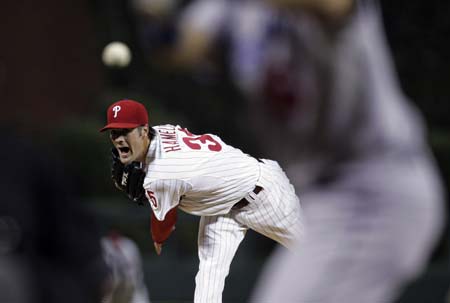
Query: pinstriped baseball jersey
(200, 174)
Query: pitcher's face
(131, 143)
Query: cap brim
(119, 125)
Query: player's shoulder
(164, 127)
(169, 128)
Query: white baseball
(116, 54)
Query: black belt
(243, 202)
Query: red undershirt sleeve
(161, 230)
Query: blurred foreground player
(372, 194)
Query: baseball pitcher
(173, 169)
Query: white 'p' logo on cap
(116, 109)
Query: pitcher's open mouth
(124, 149)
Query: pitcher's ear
(145, 130)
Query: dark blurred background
(54, 91)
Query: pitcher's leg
(218, 239)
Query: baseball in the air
(116, 54)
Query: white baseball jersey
(203, 176)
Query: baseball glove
(128, 178)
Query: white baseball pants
(275, 213)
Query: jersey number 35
(196, 142)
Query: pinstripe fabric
(204, 176)
(274, 213)
(218, 240)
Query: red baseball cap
(126, 114)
